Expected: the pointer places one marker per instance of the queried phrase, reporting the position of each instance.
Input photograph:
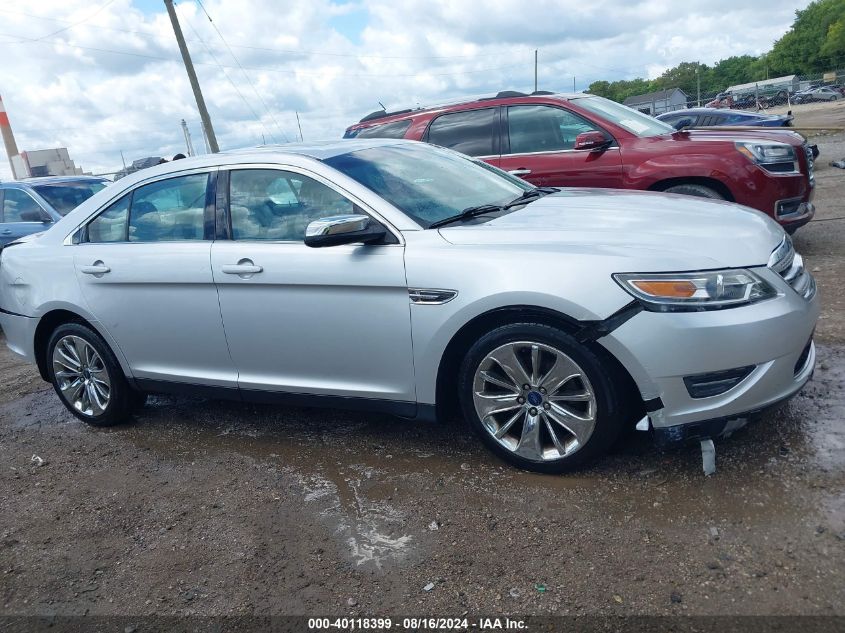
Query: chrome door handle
(520, 172)
(243, 267)
(96, 269)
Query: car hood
(691, 232)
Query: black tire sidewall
(697, 191)
(608, 414)
(120, 406)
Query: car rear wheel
(88, 378)
(690, 189)
(538, 399)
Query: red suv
(587, 141)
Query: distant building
(655, 103)
(141, 163)
(50, 162)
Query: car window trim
(2, 212)
(225, 217)
(496, 141)
(506, 133)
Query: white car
(396, 276)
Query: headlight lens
(774, 157)
(690, 292)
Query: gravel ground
(201, 507)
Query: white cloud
(333, 62)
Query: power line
(38, 39)
(252, 85)
(226, 75)
(280, 70)
(255, 48)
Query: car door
(18, 213)
(143, 265)
(332, 321)
(539, 146)
(471, 132)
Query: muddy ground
(202, 507)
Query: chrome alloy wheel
(534, 400)
(81, 375)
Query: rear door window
(470, 132)
(396, 129)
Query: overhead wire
(252, 85)
(225, 74)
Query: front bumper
(660, 349)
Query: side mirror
(683, 123)
(592, 141)
(343, 229)
(36, 216)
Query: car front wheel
(87, 376)
(539, 399)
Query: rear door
(16, 207)
(144, 268)
(539, 146)
(472, 132)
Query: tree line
(814, 44)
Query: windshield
(428, 183)
(66, 196)
(635, 122)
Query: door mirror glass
(591, 141)
(343, 229)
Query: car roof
(53, 180)
(283, 153)
(380, 117)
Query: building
(655, 103)
(50, 162)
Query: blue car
(32, 205)
(710, 117)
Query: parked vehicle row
(588, 141)
(397, 276)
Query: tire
(700, 191)
(572, 404)
(87, 377)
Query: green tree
(815, 42)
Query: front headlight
(774, 157)
(691, 292)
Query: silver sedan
(396, 276)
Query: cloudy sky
(101, 76)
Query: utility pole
(299, 125)
(188, 144)
(573, 84)
(123, 160)
(192, 77)
(698, 82)
(535, 70)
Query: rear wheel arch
(446, 398)
(711, 183)
(46, 326)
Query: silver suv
(396, 276)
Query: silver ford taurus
(396, 276)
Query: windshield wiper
(468, 213)
(483, 209)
